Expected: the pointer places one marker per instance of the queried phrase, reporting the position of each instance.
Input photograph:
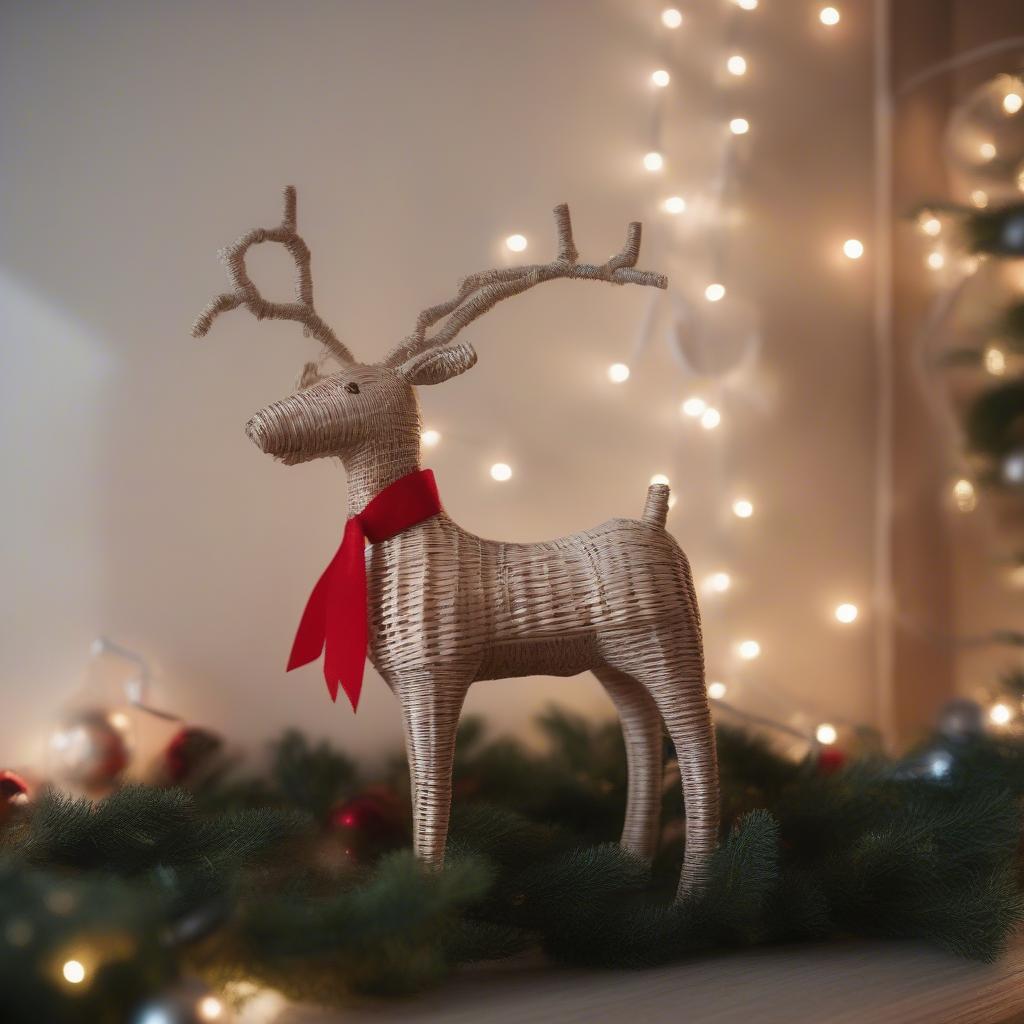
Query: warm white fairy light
(853, 248)
(119, 720)
(209, 1008)
(675, 204)
(1000, 714)
(693, 407)
(826, 734)
(747, 5)
(716, 690)
(742, 508)
(515, 243)
(929, 224)
(430, 438)
(748, 650)
(995, 361)
(739, 126)
(501, 472)
(671, 18)
(736, 65)
(987, 151)
(718, 582)
(660, 78)
(935, 260)
(74, 972)
(979, 198)
(964, 495)
(659, 478)
(618, 373)
(1012, 102)
(714, 292)
(710, 418)
(828, 16)
(846, 613)
(653, 161)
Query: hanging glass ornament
(90, 749)
(720, 339)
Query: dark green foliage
(383, 934)
(873, 851)
(140, 828)
(110, 925)
(995, 420)
(1012, 325)
(998, 231)
(302, 776)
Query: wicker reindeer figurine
(436, 608)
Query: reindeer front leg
(431, 706)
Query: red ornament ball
(830, 760)
(13, 792)
(370, 823)
(188, 754)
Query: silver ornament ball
(89, 750)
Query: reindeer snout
(283, 430)
(256, 431)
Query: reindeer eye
(352, 387)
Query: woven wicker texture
(447, 608)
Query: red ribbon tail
(346, 627)
(310, 636)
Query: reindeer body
(447, 609)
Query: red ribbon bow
(335, 617)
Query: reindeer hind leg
(668, 660)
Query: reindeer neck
(370, 470)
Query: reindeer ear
(310, 375)
(437, 365)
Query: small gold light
(209, 1008)
(826, 734)
(1000, 714)
(74, 972)
(748, 649)
(846, 613)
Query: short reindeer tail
(656, 506)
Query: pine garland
(152, 882)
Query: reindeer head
(373, 404)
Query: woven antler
(491, 286)
(246, 294)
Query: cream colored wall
(139, 137)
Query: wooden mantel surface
(850, 982)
